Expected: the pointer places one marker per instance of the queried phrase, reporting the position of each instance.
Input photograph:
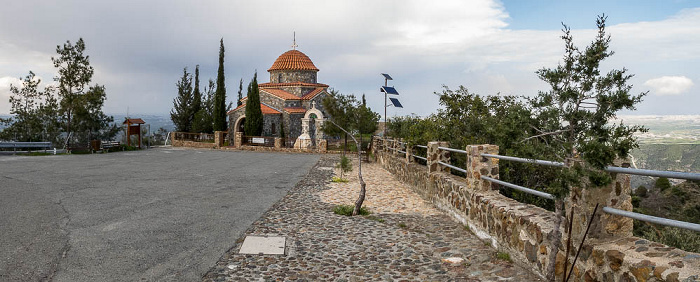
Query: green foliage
(574, 116)
(253, 113)
(641, 191)
(204, 118)
(219, 115)
(181, 114)
(503, 256)
(402, 225)
(635, 201)
(196, 105)
(240, 93)
(80, 105)
(345, 165)
(35, 114)
(347, 210)
(348, 113)
(686, 240)
(662, 183)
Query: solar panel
(388, 77)
(396, 102)
(389, 90)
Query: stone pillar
(322, 146)
(278, 142)
(604, 227)
(219, 138)
(238, 141)
(478, 166)
(409, 154)
(319, 129)
(435, 155)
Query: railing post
(238, 139)
(478, 166)
(409, 154)
(604, 227)
(435, 155)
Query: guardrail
(612, 169)
(615, 169)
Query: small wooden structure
(133, 127)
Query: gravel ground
(393, 244)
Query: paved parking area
(158, 214)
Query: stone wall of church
(272, 101)
(292, 103)
(286, 76)
(293, 123)
(271, 125)
(298, 91)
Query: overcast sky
(138, 48)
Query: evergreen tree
(196, 96)
(203, 119)
(74, 76)
(220, 96)
(364, 101)
(253, 114)
(35, 115)
(180, 114)
(240, 94)
(574, 119)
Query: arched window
(279, 78)
(274, 129)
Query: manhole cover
(263, 245)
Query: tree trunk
(361, 198)
(555, 240)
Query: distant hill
(676, 157)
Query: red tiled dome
(293, 60)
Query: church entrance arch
(239, 125)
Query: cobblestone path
(405, 239)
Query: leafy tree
(253, 113)
(203, 119)
(80, 110)
(340, 109)
(366, 121)
(181, 112)
(35, 117)
(574, 118)
(220, 96)
(239, 102)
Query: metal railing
(614, 169)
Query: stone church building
(291, 101)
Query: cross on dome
(294, 45)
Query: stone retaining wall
(524, 231)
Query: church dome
(293, 60)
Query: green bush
(636, 200)
(503, 256)
(347, 210)
(642, 191)
(662, 183)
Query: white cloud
(669, 85)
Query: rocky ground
(404, 239)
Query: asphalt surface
(153, 215)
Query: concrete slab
(265, 245)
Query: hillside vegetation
(680, 202)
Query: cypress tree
(196, 100)
(220, 96)
(240, 93)
(253, 113)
